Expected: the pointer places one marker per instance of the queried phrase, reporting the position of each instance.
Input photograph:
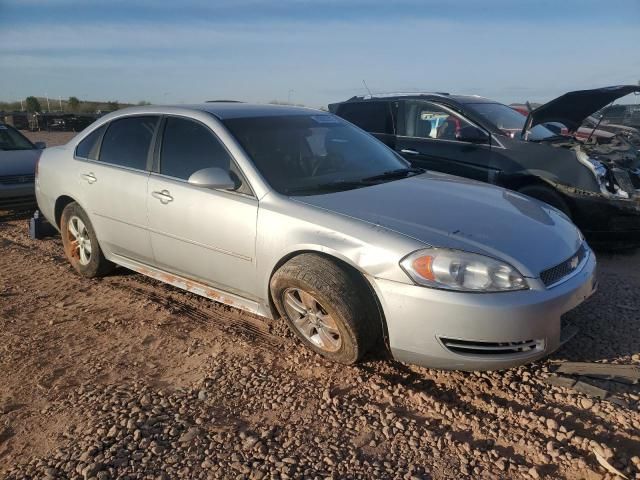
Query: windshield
(510, 121)
(305, 153)
(11, 139)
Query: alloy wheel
(79, 240)
(311, 319)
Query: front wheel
(81, 244)
(327, 307)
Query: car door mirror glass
(471, 134)
(214, 178)
(40, 145)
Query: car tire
(327, 307)
(546, 195)
(80, 243)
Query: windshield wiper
(397, 173)
(329, 186)
(363, 182)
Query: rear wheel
(546, 195)
(81, 244)
(327, 307)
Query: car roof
(226, 110)
(221, 110)
(462, 99)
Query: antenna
(365, 86)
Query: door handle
(89, 177)
(409, 152)
(164, 196)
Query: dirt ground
(125, 377)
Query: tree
(142, 103)
(33, 105)
(73, 103)
(113, 105)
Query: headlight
(463, 271)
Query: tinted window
(428, 120)
(374, 117)
(88, 148)
(302, 154)
(11, 139)
(126, 142)
(187, 147)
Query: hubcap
(79, 240)
(312, 320)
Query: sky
(313, 52)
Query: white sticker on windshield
(326, 119)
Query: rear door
(113, 174)
(199, 233)
(427, 137)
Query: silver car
(297, 213)
(18, 157)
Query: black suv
(596, 184)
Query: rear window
(374, 117)
(127, 140)
(88, 148)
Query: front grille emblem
(574, 262)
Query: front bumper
(603, 219)
(427, 326)
(17, 196)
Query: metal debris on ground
(629, 374)
(586, 388)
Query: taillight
(38, 164)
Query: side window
(127, 140)
(373, 117)
(428, 120)
(88, 148)
(187, 147)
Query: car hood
(573, 107)
(446, 211)
(18, 162)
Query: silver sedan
(296, 213)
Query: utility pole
(60, 100)
(289, 95)
(21, 106)
(48, 106)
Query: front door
(199, 233)
(430, 138)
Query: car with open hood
(295, 213)
(595, 182)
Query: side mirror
(40, 145)
(214, 178)
(472, 134)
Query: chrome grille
(491, 348)
(553, 275)
(17, 179)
